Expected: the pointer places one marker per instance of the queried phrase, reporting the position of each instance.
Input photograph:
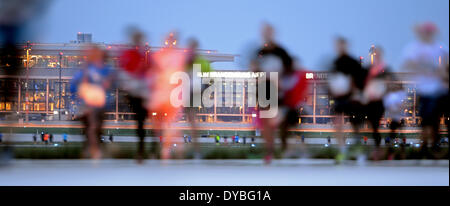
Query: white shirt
(426, 57)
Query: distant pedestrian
(329, 139)
(46, 137)
(42, 136)
(244, 139)
(225, 139)
(111, 138)
(189, 138)
(51, 137)
(303, 138)
(217, 138)
(365, 139)
(1, 137)
(64, 137)
(387, 140)
(236, 139)
(34, 138)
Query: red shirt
(133, 61)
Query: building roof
(76, 49)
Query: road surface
(224, 172)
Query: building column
(117, 104)
(18, 96)
(46, 98)
(314, 103)
(414, 104)
(215, 104)
(243, 102)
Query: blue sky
(305, 27)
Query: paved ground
(79, 138)
(225, 126)
(224, 172)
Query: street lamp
(372, 53)
(28, 49)
(146, 51)
(60, 82)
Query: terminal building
(46, 66)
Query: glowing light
(309, 75)
(231, 74)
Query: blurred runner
(445, 103)
(91, 84)
(346, 83)
(392, 103)
(15, 16)
(134, 63)
(375, 89)
(427, 60)
(191, 111)
(166, 62)
(273, 58)
(292, 92)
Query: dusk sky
(305, 28)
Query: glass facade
(42, 100)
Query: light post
(27, 103)
(60, 82)
(146, 51)
(372, 54)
